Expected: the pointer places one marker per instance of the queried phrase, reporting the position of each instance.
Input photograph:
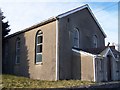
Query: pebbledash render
(68, 46)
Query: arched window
(6, 52)
(39, 43)
(76, 38)
(18, 51)
(95, 41)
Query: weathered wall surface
(27, 66)
(82, 66)
(118, 70)
(107, 69)
(87, 29)
(65, 49)
(100, 69)
(76, 66)
(0, 42)
(87, 68)
(113, 67)
(47, 70)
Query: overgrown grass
(11, 81)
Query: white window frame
(39, 33)
(76, 38)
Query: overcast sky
(22, 14)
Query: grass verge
(11, 81)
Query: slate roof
(94, 51)
(100, 50)
(115, 52)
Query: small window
(95, 42)
(75, 38)
(39, 44)
(18, 51)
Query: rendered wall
(87, 67)
(82, 66)
(101, 65)
(27, 66)
(0, 42)
(76, 66)
(87, 29)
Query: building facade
(0, 41)
(62, 47)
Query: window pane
(39, 48)
(76, 33)
(39, 39)
(18, 52)
(18, 44)
(18, 59)
(75, 38)
(76, 43)
(38, 58)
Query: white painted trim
(77, 51)
(96, 21)
(94, 69)
(108, 49)
(76, 30)
(112, 54)
(72, 11)
(39, 63)
(57, 60)
(86, 53)
(80, 8)
(83, 52)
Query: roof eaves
(96, 21)
(57, 17)
(32, 27)
(78, 9)
(105, 52)
(83, 52)
(71, 11)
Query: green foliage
(5, 27)
(10, 81)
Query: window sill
(39, 63)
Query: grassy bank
(11, 81)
